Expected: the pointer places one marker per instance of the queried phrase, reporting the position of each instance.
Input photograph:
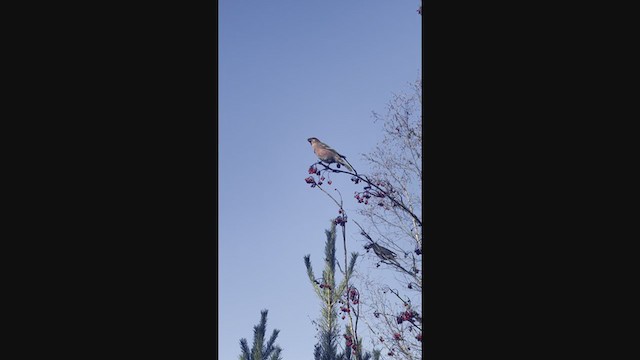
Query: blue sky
(289, 70)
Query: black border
(125, 184)
(503, 93)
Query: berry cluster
(350, 343)
(313, 170)
(322, 285)
(409, 315)
(349, 339)
(354, 295)
(341, 220)
(397, 336)
(419, 337)
(311, 180)
(368, 193)
(384, 188)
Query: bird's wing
(331, 149)
(385, 250)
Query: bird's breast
(324, 155)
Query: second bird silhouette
(325, 153)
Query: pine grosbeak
(382, 252)
(325, 153)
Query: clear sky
(290, 70)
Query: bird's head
(312, 140)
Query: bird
(382, 252)
(325, 153)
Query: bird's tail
(344, 163)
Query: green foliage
(326, 290)
(260, 351)
(376, 354)
(348, 354)
(329, 294)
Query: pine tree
(260, 351)
(329, 294)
